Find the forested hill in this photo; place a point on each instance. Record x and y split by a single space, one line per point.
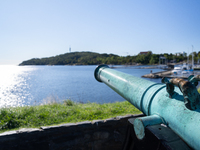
75 58
91 58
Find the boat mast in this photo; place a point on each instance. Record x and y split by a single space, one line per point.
192 58
188 66
188 58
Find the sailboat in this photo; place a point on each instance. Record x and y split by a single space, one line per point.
185 68
197 66
182 69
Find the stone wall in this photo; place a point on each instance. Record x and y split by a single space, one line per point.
96 135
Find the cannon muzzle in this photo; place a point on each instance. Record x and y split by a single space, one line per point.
174 102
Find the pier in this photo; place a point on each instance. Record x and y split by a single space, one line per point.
168 74
158 74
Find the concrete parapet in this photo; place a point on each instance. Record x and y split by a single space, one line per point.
96 135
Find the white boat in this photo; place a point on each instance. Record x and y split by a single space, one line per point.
177 70
187 71
184 69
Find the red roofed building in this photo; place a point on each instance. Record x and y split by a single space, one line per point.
145 53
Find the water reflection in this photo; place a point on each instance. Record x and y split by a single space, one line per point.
35 85
12 84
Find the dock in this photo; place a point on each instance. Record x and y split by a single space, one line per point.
168 74
160 74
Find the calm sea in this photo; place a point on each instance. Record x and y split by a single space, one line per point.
35 85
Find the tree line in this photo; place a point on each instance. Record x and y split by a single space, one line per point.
91 58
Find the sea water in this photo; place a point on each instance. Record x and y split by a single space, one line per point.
35 85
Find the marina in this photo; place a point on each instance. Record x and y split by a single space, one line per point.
169 74
175 71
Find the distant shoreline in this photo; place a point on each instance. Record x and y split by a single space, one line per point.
91 58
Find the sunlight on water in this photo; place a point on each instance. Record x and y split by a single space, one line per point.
36 85
12 84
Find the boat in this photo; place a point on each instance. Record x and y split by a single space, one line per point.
185 68
182 69
196 67
177 70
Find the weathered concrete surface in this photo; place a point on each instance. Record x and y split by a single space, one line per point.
157 137
158 74
96 135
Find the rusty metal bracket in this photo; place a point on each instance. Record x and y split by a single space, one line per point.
194 79
190 93
169 87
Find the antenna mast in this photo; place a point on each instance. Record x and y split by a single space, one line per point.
70 49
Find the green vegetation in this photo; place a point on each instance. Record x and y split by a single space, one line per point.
198 89
55 113
76 58
90 58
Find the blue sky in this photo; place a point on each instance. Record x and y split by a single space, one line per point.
44 28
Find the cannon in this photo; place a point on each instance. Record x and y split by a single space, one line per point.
174 103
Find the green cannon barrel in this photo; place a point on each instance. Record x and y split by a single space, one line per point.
175 103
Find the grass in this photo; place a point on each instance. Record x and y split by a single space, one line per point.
198 89
56 113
